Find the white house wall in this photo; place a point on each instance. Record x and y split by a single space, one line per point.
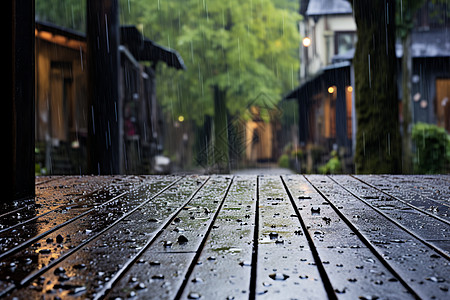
319 53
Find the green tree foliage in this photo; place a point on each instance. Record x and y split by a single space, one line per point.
235 51
66 13
245 48
404 17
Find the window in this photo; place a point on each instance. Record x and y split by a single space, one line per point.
344 41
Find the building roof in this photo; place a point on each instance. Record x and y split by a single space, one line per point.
140 47
328 7
146 50
326 75
59 30
424 44
433 43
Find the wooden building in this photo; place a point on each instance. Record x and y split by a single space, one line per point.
61 100
62 112
325 99
325 113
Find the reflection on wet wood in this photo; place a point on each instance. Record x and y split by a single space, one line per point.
228 237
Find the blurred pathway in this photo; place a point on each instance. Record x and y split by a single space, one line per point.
263 170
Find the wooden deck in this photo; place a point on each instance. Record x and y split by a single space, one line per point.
228 237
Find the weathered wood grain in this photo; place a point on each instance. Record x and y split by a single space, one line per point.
228 237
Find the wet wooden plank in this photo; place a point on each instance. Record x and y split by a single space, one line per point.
435 187
421 269
286 266
222 236
157 274
353 270
58 203
414 194
225 260
45 250
52 194
19 236
429 227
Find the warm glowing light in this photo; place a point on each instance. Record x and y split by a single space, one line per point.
180 119
59 39
45 35
350 89
331 90
306 42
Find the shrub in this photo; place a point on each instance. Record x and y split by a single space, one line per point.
297 154
432 153
283 161
333 166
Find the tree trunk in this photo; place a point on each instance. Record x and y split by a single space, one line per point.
407 166
220 149
378 141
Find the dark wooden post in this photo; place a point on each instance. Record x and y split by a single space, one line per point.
105 110
19 79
